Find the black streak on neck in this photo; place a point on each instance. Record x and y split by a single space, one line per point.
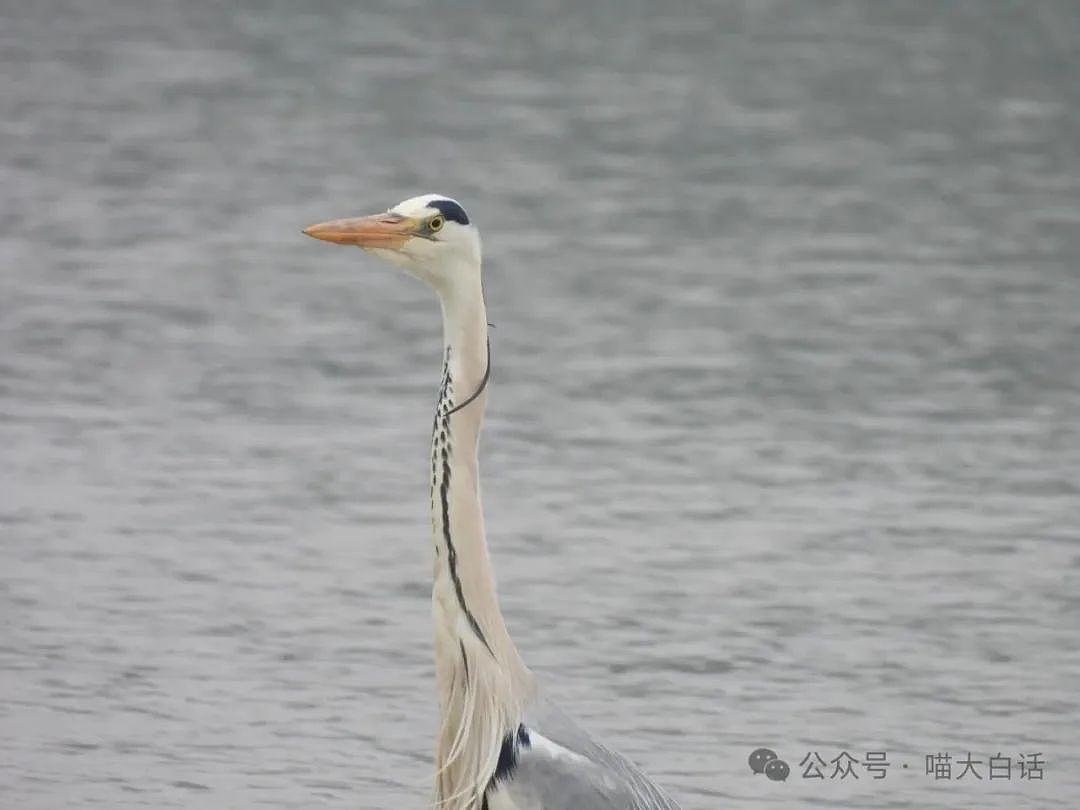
442 421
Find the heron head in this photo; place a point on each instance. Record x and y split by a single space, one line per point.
429 237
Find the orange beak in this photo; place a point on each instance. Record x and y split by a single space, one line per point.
390 231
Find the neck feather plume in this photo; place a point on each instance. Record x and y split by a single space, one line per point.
482 682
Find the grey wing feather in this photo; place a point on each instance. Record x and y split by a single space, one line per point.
596 779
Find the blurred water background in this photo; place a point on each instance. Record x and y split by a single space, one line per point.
783 444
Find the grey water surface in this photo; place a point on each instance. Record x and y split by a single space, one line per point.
783 446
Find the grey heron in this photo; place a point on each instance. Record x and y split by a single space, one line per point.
500 746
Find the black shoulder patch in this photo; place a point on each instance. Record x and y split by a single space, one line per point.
451 210
508 753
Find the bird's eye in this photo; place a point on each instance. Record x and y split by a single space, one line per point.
436 223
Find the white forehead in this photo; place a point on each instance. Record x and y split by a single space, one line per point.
418 206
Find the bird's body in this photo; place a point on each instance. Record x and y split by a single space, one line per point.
561 767
500 747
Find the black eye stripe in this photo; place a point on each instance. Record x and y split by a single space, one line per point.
451 210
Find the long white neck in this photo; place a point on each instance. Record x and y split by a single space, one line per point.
483 683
